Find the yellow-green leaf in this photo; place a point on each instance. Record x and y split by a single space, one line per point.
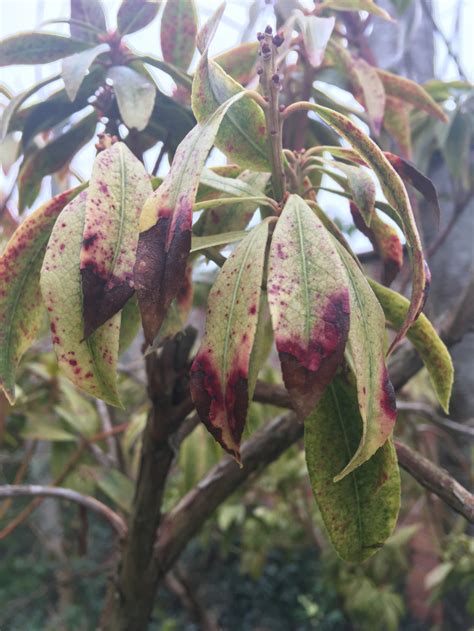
355 5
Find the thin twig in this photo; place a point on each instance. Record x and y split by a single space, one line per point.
426 411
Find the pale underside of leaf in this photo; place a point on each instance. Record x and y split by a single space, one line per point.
135 96
75 68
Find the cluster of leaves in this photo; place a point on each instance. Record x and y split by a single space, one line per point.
100 254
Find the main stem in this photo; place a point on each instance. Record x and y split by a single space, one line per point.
270 84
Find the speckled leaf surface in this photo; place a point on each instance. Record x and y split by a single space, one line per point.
366 354
360 511
397 196
396 122
118 189
220 371
75 68
166 221
308 296
178 32
239 62
90 364
37 48
424 338
21 307
242 136
90 12
362 188
134 15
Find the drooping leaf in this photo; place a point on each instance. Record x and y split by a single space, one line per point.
37 48
397 196
118 188
135 96
360 511
362 188
424 338
90 12
51 158
355 5
308 298
178 32
165 224
316 33
366 355
21 308
242 136
410 174
220 371
90 364
385 241
239 62
75 68
397 122
134 15
410 92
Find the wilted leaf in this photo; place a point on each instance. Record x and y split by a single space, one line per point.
178 32
424 338
135 96
37 48
360 511
90 12
309 303
355 5
316 33
165 224
51 158
239 62
134 15
75 68
21 308
220 371
397 122
366 355
119 186
90 364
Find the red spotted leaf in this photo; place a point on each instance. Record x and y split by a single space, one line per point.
117 191
239 62
134 15
166 221
397 123
308 298
88 12
178 32
220 372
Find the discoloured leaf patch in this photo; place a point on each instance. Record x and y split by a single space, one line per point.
308 298
89 12
134 15
220 371
397 122
178 32
37 48
118 189
21 307
239 62
360 511
90 364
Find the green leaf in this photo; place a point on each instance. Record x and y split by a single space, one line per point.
397 196
134 15
223 238
366 354
355 5
242 136
360 511
129 323
77 410
135 96
90 364
75 68
37 48
21 308
397 123
424 338
239 62
180 77
178 32
118 189
43 430
90 12
316 33
308 298
220 371
51 158
166 222
116 487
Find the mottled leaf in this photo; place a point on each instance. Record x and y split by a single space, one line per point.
308 297
397 196
51 158
397 123
360 511
366 355
242 136
134 15
75 68
118 189
424 338
316 33
410 92
178 32
90 364
362 188
90 12
165 224
37 48
135 96
355 5
220 371
21 308
239 62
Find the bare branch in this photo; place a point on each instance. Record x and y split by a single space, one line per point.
466 429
